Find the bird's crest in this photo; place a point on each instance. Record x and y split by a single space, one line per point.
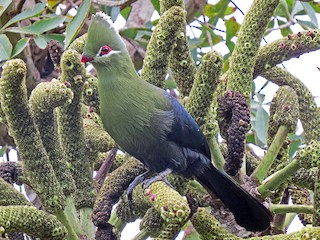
102 32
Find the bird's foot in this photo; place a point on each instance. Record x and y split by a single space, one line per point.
139 179
160 177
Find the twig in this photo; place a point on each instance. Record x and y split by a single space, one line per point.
114 4
104 169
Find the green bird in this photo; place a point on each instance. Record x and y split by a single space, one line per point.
151 125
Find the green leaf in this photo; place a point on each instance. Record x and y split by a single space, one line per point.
36 10
55 36
261 126
295 143
134 32
156 5
4 5
306 24
44 25
5 47
230 10
297 9
284 31
126 12
20 30
232 28
282 9
311 13
77 22
40 41
260 97
315 6
216 10
21 44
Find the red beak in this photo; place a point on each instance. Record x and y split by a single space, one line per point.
85 59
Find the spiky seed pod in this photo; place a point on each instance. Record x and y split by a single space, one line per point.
306 233
244 55
304 178
286 48
169 203
203 88
309 116
119 160
301 196
96 138
90 93
44 98
105 233
152 222
8 172
14 102
211 127
70 126
234 120
10 196
208 226
284 110
181 63
78 44
316 199
16 236
55 50
169 231
309 156
124 213
113 187
163 40
165 5
179 183
31 221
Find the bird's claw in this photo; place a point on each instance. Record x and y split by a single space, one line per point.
160 177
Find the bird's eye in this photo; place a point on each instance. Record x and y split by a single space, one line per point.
105 50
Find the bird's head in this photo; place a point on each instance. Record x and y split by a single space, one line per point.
103 44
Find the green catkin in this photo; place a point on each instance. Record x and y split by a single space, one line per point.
284 110
304 178
43 100
96 138
169 203
301 196
10 196
204 86
90 93
309 116
163 40
152 222
181 63
209 227
31 221
316 199
113 187
286 48
244 55
165 5
14 102
234 119
70 126
78 44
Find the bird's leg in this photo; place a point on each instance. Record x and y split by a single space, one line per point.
160 177
139 179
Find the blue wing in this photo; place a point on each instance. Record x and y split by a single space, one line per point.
186 132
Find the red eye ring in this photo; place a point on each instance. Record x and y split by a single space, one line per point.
105 50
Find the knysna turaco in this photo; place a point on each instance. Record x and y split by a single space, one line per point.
152 126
